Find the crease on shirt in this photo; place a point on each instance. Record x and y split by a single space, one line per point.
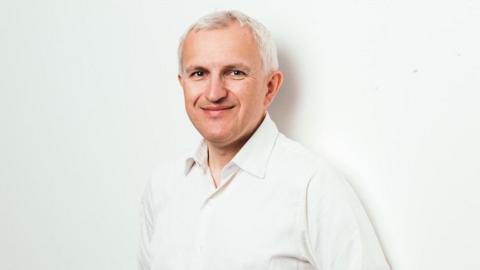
307 238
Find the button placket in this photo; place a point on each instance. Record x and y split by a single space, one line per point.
201 243
205 219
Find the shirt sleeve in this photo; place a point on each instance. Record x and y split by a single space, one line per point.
146 228
339 235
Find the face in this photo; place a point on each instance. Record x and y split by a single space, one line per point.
225 88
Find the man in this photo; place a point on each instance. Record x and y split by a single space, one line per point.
247 197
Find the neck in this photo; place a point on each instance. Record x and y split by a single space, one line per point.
219 155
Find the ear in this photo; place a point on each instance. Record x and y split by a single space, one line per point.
275 80
180 79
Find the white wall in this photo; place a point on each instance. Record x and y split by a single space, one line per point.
89 102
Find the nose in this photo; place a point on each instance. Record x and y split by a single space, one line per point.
216 90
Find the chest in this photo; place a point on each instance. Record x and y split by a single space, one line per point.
245 225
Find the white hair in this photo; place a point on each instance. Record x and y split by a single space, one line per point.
221 19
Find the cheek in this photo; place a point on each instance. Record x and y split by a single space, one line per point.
257 96
192 92
246 91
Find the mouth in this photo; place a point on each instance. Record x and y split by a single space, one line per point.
216 111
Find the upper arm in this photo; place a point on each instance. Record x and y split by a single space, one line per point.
146 227
338 231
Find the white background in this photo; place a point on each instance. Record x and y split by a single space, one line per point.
89 103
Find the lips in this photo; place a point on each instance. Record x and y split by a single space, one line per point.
216 111
216 108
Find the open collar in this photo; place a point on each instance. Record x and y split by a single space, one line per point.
253 157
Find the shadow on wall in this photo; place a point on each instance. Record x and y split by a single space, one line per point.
284 108
284 111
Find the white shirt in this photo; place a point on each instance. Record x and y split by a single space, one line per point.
277 207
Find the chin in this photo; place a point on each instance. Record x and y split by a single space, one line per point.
220 135
215 131
216 137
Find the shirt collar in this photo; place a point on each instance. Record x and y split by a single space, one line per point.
199 156
253 156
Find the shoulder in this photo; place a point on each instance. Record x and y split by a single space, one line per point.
313 182
295 156
294 166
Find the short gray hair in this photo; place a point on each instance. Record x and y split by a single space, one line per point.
221 19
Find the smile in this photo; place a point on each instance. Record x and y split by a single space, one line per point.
216 111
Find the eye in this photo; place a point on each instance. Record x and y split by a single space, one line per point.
197 73
237 74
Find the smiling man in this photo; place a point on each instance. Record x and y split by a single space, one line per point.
247 197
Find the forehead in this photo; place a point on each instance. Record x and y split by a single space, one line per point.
223 46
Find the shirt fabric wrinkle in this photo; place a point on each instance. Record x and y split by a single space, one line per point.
276 208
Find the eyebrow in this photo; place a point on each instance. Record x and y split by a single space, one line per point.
239 66
192 68
242 66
